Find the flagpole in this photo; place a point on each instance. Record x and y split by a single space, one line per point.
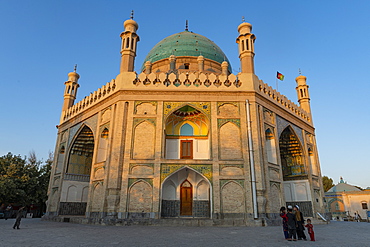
277 89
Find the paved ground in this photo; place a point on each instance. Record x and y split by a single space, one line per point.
35 232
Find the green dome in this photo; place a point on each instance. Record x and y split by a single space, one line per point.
186 44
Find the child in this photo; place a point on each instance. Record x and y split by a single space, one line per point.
285 222
292 224
309 226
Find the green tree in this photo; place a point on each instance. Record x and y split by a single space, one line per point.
24 181
327 183
12 178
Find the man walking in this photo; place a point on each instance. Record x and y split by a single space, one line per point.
18 218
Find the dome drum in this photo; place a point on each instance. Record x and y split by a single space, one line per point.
186 44
189 64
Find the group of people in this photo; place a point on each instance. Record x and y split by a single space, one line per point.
293 224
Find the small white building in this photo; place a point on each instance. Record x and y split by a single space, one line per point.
344 200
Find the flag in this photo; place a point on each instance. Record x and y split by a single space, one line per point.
280 76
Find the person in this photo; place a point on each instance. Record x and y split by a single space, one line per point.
292 224
309 227
357 217
2 210
8 211
285 222
300 223
18 218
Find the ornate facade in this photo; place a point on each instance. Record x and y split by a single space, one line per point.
184 138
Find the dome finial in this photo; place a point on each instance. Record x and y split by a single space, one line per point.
299 71
243 19
132 15
75 69
186 26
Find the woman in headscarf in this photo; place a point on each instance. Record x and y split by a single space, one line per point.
300 223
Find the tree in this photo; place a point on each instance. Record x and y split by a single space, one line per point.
12 179
327 183
24 181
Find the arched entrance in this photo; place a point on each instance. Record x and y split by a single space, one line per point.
77 174
293 162
186 193
186 198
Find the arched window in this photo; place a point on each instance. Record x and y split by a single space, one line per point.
186 130
312 161
104 133
127 42
270 147
80 157
62 149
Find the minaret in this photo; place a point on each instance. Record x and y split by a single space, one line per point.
246 47
70 91
129 42
303 95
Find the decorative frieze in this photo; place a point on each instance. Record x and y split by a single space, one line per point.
222 121
168 169
131 181
169 107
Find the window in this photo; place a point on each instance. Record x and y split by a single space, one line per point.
364 205
186 149
104 133
186 65
186 130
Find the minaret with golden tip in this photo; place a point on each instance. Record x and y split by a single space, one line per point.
70 91
302 92
129 43
246 47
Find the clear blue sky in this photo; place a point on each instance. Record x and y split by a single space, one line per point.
328 40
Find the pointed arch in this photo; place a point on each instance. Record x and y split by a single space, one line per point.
144 140
72 194
202 192
105 133
275 198
187 133
103 145
97 198
186 196
232 198
81 152
184 105
186 130
270 146
230 141
140 197
313 163
169 190
291 155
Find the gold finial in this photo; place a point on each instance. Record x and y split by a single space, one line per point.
75 68
186 26
243 19
132 14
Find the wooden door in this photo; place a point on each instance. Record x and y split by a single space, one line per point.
186 198
186 149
